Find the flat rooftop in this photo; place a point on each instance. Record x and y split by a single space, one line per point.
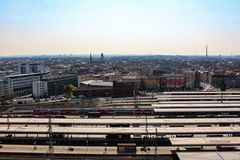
79 150
107 121
206 141
121 130
209 155
58 77
198 98
195 96
199 92
26 75
198 102
98 83
219 105
196 110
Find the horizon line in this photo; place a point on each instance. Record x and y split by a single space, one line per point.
124 54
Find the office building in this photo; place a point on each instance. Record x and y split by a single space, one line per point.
26 68
192 79
204 76
124 88
230 80
3 89
39 89
170 82
56 84
21 84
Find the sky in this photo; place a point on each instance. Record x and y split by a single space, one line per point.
33 27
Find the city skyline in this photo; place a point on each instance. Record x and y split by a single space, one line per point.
131 27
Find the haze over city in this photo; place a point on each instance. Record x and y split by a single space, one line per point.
119 79
29 27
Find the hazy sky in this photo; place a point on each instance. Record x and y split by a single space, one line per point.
119 26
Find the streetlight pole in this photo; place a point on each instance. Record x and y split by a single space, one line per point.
50 136
8 121
223 88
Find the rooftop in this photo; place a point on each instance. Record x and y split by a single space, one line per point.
53 77
106 121
209 155
25 75
120 130
98 83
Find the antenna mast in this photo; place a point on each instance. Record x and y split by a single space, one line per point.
206 50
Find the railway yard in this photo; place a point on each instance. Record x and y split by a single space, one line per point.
167 126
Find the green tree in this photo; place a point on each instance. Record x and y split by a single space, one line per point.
69 89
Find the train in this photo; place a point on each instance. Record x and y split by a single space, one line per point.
173 112
91 111
31 116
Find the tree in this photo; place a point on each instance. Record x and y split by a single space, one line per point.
69 89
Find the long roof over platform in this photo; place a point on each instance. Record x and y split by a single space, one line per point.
209 155
199 98
121 130
199 92
77 150
107 121
198 102
205 141
196 110
220 105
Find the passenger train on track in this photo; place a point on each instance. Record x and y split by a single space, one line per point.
104 112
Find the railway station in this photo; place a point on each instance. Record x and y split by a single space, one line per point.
181 130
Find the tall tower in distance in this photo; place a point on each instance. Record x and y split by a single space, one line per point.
206 50
102 57
90 57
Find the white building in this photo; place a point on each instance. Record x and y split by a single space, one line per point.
26 68
21 84
39 88
97 83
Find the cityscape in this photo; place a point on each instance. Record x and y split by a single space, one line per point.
159 81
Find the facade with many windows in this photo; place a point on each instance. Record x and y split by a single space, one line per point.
170 82
26 68
39 89
56 84
21 84
3 89
124 88
192 79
